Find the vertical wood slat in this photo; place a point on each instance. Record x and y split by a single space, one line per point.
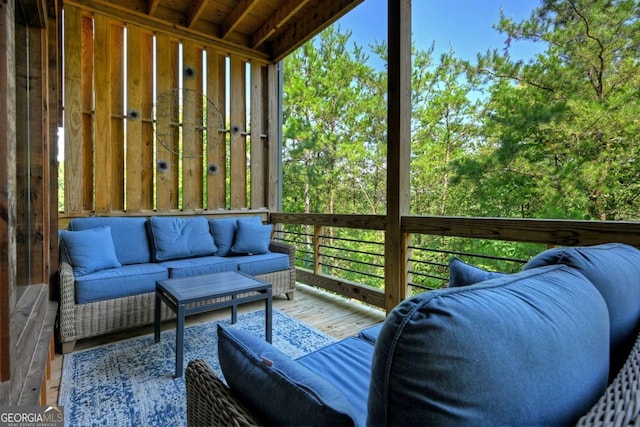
134 150
192 179
238 163
87 113
216 90
55 121
39 171
117 117
102 76
7 188
73 178
274 199
22 149
167 79
145 115
258 165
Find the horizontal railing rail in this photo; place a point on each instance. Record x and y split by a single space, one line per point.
329 260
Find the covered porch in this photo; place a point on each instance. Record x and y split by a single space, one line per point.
96 69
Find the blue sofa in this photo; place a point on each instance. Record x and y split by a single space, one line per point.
109 265
554 344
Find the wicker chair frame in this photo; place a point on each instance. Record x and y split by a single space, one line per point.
210 402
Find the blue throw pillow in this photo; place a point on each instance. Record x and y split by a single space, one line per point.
174 237
252 238
529 348
463 274
614 269
224 232
90 250
276 388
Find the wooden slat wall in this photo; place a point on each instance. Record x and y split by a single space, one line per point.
216 158
111 153
238 138
115 170
167 178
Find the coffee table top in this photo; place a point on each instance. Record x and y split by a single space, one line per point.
196 288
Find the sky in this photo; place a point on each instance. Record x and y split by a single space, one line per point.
466 26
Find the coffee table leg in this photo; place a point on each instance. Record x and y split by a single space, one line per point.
179 340
156 324
234 310
268 316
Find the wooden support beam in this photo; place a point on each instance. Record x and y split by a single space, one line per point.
277 21
398 150
153 7
195 10
296 35
241 10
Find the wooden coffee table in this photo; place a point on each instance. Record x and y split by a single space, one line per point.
182 294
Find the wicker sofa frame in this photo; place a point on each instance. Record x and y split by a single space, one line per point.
210 402
78 321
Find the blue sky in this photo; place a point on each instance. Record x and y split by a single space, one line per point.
464 25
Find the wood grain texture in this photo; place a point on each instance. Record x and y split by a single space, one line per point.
238 140
102 76
73 179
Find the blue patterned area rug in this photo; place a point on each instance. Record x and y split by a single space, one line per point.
131 383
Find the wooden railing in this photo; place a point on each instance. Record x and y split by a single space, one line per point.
325 261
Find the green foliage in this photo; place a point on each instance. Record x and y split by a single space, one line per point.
557 136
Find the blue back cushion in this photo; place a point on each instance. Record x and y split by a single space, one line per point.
129 236
613 268
276 388
524 349
463 274
174 237
252 237
90 250
224 232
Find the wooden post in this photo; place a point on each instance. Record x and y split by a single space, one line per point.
317 251
398 150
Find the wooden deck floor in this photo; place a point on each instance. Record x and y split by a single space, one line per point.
331 314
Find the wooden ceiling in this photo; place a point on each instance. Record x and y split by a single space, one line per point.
268 29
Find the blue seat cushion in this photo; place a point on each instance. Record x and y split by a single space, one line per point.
132 279
175 237
129 236
614 269
252 238
198 266
529 348
371 333
347 365
463 274
262 264
276 388
90 250
224 232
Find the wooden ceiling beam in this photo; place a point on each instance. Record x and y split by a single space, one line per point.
156 24
241 10
325 14
153 6
277 21
196 9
